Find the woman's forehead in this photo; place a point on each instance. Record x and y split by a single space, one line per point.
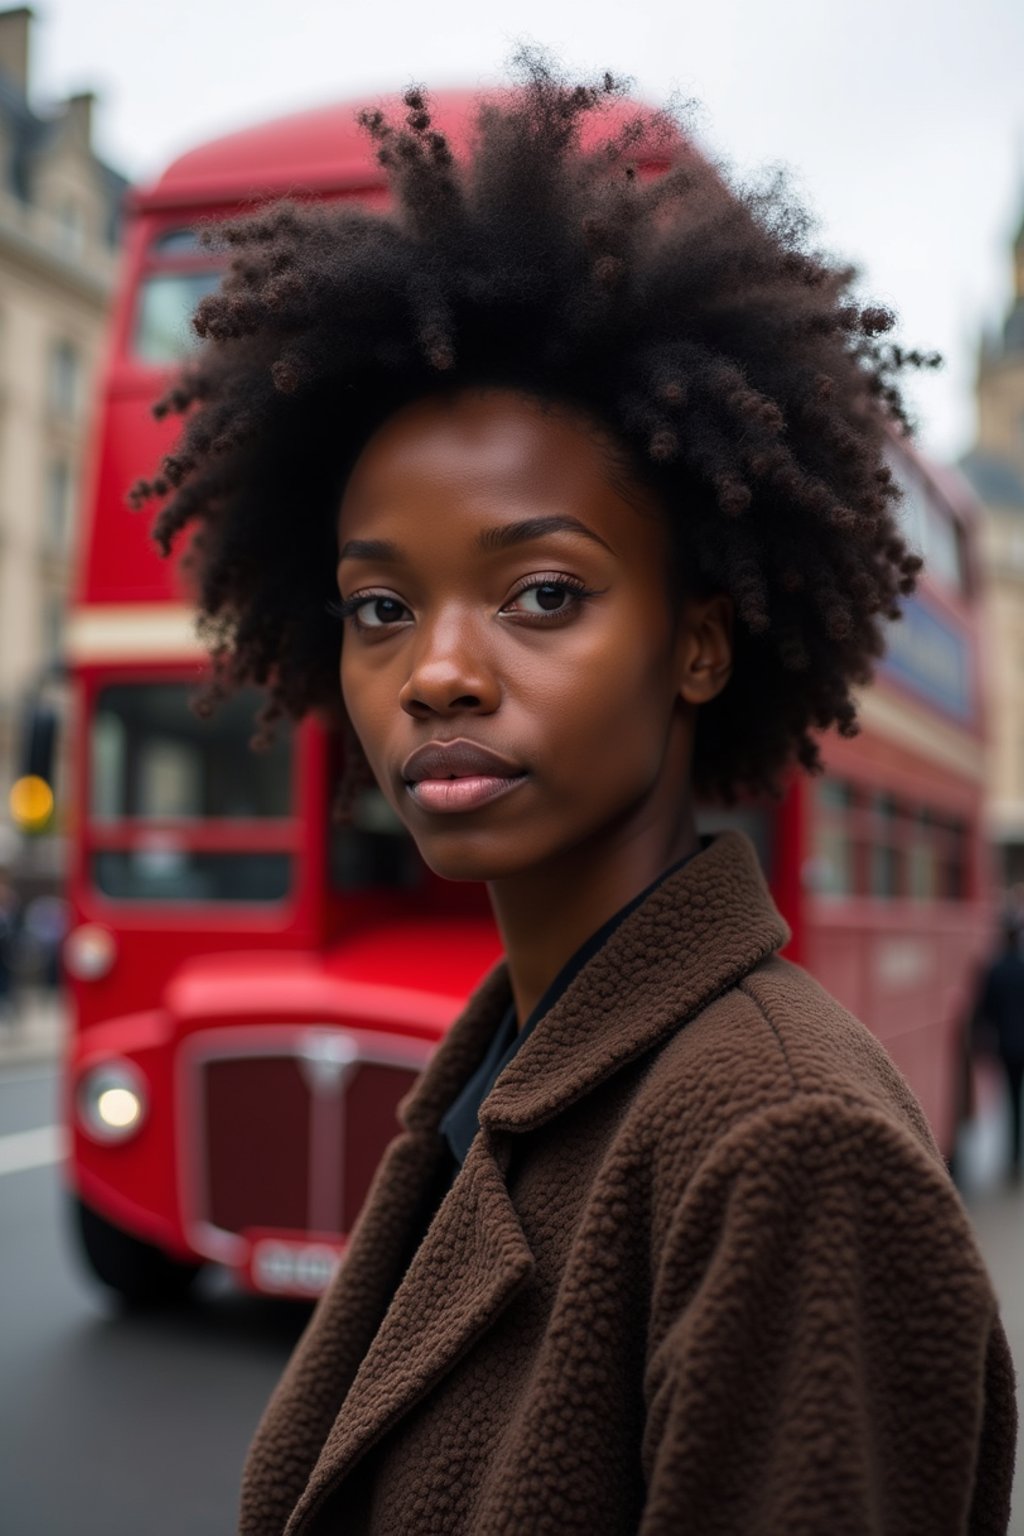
489 447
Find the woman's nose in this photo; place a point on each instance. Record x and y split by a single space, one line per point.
450 673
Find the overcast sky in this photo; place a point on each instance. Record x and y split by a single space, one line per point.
902 120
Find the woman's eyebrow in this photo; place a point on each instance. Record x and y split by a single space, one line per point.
529 528
489 540
369 549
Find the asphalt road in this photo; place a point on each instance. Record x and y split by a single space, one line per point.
115 1425
122 1425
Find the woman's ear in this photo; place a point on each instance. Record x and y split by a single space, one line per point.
705 647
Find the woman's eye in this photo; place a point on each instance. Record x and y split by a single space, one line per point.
548 599
373 612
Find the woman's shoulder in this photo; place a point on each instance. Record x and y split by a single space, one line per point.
773 1047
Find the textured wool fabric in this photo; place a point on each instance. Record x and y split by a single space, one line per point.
703 1271
460 1122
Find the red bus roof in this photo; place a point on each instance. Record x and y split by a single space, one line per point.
320 150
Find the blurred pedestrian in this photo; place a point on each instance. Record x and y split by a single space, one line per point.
1001 1007
9 917
45 923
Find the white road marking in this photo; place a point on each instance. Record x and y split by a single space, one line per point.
17 1077
31 1149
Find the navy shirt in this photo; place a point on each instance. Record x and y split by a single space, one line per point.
461 1121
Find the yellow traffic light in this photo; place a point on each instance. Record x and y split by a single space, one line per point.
31 803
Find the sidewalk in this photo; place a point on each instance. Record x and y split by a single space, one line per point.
35 1033
996 1209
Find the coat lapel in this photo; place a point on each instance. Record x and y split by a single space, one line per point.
703 929
699 933
471 1263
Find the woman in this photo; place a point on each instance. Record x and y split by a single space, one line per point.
590 469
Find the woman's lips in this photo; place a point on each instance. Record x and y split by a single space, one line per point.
458 775
461 794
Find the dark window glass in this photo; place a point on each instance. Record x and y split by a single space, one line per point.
885 871
167 873
885 865
834 794
953 876
65 382
923 858
152 758
757 821
374 849
177 242
833 866
58 501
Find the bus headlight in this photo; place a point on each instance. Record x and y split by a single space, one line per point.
89 951
112 1101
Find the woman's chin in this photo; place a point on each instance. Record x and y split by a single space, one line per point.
467 858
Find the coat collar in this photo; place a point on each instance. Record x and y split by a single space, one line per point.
700 931
703 928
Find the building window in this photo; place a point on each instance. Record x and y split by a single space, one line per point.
58 502
53 625
70 217
65 378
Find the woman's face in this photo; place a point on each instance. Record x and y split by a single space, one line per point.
512 662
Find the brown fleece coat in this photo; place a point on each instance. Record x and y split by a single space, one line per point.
703 1272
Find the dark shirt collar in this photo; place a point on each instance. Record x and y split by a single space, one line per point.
461 1122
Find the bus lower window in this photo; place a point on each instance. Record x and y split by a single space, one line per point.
886 862
181 874
833 866
923 859
374 849
954 861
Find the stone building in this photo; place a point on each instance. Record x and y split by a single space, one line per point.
995 468
59 211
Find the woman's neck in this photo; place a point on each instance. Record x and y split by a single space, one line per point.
546 914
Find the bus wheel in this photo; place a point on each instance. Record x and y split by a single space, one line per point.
142 1275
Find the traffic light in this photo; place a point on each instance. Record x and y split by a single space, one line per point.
31 797
30 803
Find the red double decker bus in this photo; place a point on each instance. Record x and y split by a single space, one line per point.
253 987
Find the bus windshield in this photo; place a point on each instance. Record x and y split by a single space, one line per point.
155 764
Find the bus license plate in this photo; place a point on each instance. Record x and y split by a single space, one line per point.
284 1264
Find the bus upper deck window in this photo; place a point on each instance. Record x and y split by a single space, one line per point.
178 273
177 242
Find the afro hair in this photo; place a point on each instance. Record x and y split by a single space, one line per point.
603 263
